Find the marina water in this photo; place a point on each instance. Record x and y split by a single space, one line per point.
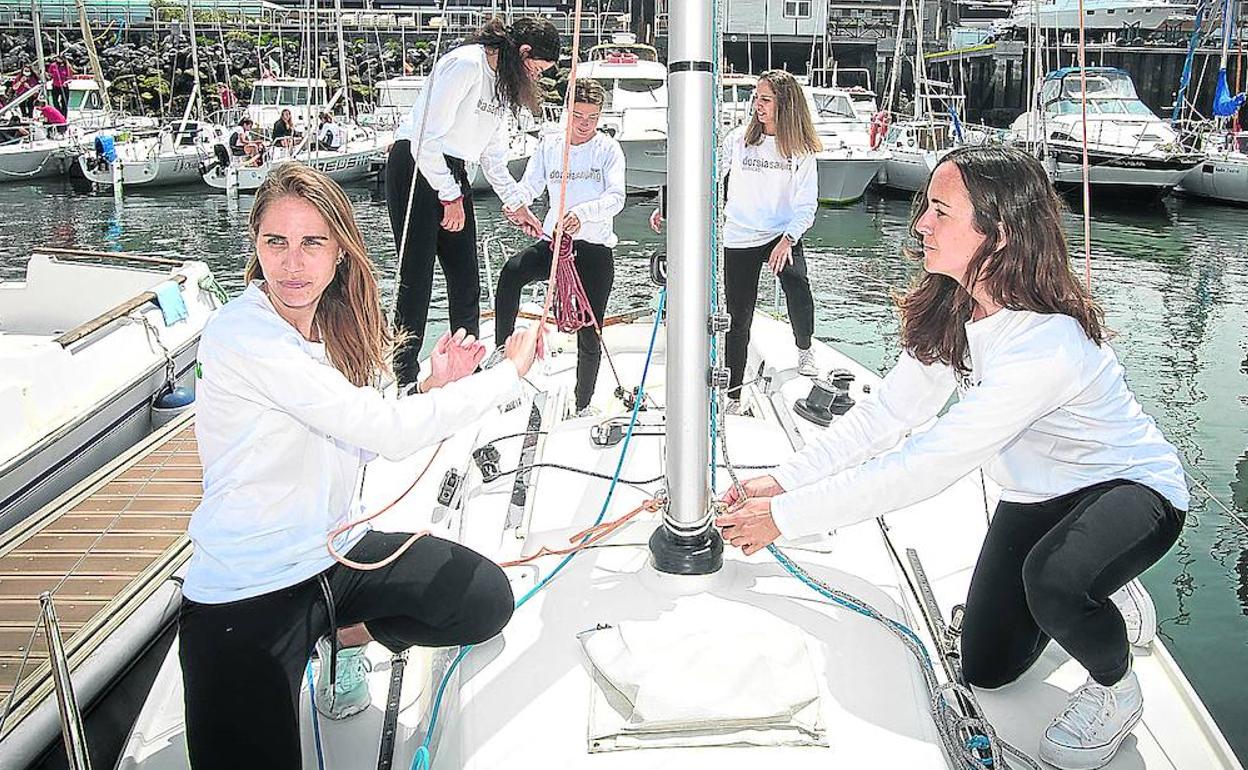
1173 279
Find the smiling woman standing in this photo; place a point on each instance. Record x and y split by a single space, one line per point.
287 414
1092 493
460 117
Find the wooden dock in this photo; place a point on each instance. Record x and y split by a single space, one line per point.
101 549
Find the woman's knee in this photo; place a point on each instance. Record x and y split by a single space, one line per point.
1053 594
489 603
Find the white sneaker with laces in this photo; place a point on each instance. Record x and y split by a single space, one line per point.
349 695
1138 612
1095 722
806 363
496 355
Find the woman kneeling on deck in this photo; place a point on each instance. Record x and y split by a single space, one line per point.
595 196
1092 493
287 416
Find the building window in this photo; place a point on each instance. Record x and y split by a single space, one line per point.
797 9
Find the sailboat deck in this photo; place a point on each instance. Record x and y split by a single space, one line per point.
100 550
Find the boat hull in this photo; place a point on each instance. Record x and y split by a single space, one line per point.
907 171
1141 174
37 160
164 170
1223 178
88 442
844 180
343 168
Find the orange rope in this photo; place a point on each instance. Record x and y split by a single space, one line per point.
365 566
568 101
587 537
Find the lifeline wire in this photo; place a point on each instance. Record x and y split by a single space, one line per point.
423 760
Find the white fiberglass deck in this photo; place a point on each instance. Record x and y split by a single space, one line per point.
524 699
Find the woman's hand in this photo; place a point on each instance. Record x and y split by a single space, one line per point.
454 357
525 346
453 215
656 221
571 224
523 218
760 487
749 526
781 255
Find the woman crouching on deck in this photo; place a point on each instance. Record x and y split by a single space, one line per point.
1092 493
287 416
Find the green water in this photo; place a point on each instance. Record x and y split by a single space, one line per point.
1173 280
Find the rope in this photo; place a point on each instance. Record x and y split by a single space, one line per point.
571 306
423 759
1209 495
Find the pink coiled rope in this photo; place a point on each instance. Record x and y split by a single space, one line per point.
570 306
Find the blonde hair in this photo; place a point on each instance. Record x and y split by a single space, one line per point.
357 338
795 131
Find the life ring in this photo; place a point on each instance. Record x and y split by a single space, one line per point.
879 127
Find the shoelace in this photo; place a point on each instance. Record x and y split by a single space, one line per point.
1085 712
351 672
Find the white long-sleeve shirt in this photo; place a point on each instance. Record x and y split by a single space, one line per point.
1045 411
283 435
595 184
769 195
467 121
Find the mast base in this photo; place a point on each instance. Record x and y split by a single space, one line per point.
696 554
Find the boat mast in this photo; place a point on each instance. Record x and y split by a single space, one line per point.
190 27
686 543
39 57
92 56
342 61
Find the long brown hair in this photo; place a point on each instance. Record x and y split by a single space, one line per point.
1012 197
357 338
795 131
513 87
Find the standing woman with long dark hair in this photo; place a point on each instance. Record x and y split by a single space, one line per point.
1092 493
460 117
770 201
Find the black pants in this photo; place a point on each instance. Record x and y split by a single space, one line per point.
741 270
243 662
457 252
597 270
1046 571
60 99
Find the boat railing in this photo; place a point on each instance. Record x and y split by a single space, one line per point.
67 705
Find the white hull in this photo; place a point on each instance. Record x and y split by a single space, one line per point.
1097 16
68 408
528 699
645 164
39 159
907 170
344 167
154 161
844 178
1223 177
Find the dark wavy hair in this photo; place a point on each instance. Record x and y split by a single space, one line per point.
1012 197
513 87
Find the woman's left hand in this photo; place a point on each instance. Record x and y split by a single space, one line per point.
781 256
571 224
749 526
454 356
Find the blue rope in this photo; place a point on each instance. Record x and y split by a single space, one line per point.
316 719
423 760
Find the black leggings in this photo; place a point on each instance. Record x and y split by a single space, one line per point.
1046 571
243 662
741 269
60 99
457 252
597 271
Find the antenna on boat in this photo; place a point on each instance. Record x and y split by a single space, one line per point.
686 543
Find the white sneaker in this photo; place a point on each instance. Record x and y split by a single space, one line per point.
806 363
589 411
733 406
1138 612
349 695
1095 722
496 355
